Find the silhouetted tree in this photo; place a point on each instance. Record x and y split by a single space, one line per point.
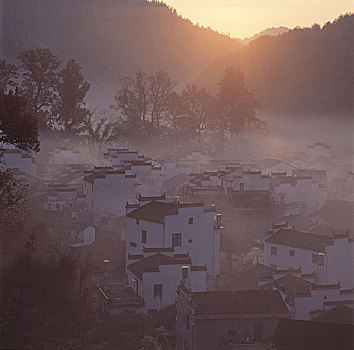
69 108
39 82
236 104
8 75
197 104
160 87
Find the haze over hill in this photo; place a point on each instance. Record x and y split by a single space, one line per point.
301 71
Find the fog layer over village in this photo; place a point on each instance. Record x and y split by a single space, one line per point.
184 209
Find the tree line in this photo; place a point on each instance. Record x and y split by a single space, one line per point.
145 106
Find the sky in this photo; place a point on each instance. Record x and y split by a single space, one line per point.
244 18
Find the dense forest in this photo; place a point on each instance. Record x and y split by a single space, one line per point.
303 70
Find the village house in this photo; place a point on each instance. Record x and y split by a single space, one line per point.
107 191
295 195
331 258
269 165
161 238
251 190
227 319
319 149
13 158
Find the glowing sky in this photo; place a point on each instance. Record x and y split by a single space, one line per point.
243 18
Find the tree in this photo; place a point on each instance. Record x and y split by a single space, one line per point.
160 87
39 82
175 116
197 106
72 89
45 299
8 75
236 103
17 127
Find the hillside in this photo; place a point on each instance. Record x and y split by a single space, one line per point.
306 70
112 38
269 31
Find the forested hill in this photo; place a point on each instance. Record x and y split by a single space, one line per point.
112 38
304 71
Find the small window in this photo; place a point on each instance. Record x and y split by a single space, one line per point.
187 322
314 258
291 252
143 236
158 291
137 221
176 239
273 250
274 267
57 206
190 221
242 186
190 241
132 244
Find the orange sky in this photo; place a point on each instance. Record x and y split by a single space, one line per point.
243 18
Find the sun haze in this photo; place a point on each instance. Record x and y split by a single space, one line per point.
244 18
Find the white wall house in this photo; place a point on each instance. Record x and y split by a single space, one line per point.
117 156
172 168
251 181
107 192
159 231
156 278
17 159
319 149
149 176
64 156
298 195
269 165
332 258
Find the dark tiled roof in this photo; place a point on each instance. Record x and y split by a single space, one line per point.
290 284
303 240
308 335
339 314
248 279
152 263
154 211
239 302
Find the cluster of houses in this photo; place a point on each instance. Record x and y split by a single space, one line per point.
167 215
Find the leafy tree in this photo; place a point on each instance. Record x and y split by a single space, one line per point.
8 75
17 127
72 89
236 104
39 82
45 299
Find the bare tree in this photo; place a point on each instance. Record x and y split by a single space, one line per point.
160 87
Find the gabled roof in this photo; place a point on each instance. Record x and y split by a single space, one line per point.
154 211
290 284
152 263
303 240
267 163
248 279
245 302
177 180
